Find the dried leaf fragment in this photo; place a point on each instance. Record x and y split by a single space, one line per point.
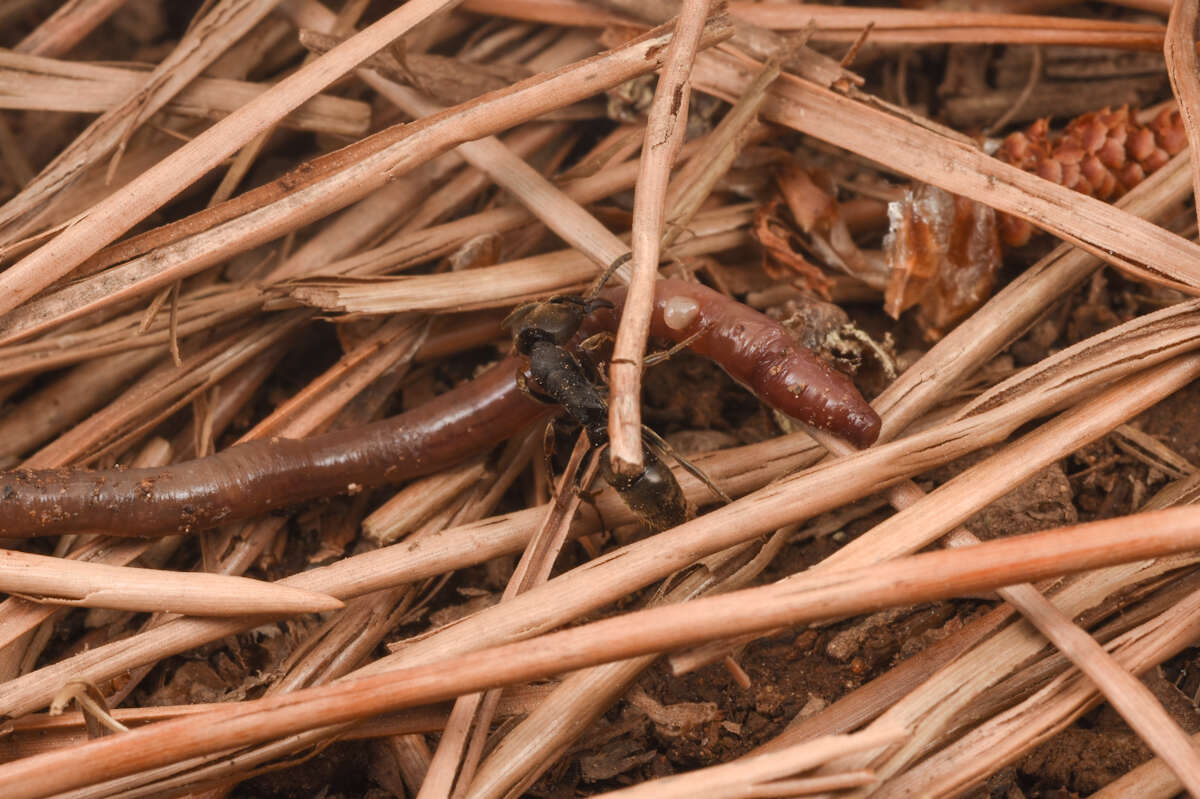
944 253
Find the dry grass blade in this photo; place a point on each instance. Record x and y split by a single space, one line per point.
52 85
64 29
1132 245
831 594
225 23
1131 698
890 25
351 175
694 183
665 126
894 25
96 585
1180 51
754 776
506 284
116 214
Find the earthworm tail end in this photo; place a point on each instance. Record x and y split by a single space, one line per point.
252 478
758 352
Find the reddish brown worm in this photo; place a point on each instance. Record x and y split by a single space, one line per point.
756 351
250 479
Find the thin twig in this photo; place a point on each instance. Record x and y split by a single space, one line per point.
665 128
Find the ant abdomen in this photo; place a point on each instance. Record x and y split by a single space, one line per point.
654 495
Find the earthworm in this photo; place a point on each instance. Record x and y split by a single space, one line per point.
757 352
252 478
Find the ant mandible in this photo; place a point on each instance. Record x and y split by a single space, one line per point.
541 331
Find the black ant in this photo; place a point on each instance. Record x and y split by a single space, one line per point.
541 331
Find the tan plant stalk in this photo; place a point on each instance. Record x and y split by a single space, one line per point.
67 26
665 127
113 216
506 284
1179 48
903 581
743 776
1132 245
890 25
97 585
897 25
1128 696
53 85
380 158
226 22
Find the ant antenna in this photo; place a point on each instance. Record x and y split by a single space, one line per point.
607 274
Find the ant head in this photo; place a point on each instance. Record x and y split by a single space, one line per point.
555 320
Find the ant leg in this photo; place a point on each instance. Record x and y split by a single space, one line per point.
664 355
607 274
654 439
596 341
588 495
548 449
